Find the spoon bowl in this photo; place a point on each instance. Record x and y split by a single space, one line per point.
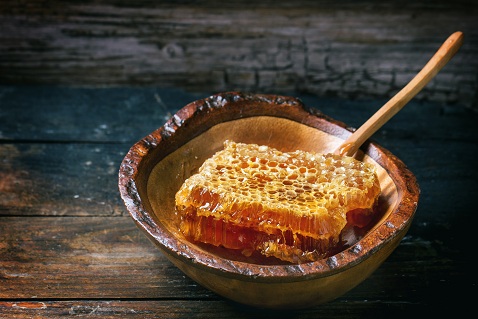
157 165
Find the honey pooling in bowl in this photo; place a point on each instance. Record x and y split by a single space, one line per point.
288 205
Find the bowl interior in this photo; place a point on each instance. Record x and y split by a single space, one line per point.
284 134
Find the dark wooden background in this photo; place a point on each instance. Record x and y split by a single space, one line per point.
350 49
81 81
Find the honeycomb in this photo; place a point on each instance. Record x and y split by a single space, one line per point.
289 205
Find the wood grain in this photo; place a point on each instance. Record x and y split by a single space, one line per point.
82 263
146 309
348 49
68 247
78 258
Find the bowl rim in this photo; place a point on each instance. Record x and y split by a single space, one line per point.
193 114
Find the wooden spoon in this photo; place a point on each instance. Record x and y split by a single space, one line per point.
448 49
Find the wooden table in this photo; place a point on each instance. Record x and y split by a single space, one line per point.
69 248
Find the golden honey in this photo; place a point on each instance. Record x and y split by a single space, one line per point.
289 205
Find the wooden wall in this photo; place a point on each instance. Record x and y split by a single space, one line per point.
350 49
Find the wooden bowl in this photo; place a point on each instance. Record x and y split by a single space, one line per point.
157 165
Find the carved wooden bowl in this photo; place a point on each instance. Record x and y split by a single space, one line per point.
157 165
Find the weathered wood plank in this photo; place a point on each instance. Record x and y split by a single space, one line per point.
106 260
60 179
79 115
146 309
88 257
126 114
346 49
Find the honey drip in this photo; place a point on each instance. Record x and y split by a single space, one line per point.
292 206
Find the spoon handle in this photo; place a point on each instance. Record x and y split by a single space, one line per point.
448 49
